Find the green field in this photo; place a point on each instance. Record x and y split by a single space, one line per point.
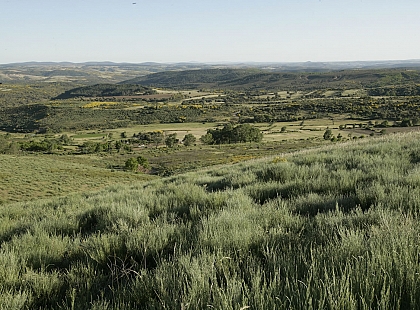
24 178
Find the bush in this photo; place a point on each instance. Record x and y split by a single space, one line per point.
131 164
207 138
189 139
328 134
135 164
171 140
143 162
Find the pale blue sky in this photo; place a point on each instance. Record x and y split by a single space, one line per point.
208 30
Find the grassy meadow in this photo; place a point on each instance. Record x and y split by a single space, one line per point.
334 227
30 177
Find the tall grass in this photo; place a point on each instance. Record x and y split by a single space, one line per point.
332 228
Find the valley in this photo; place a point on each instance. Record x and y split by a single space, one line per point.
193 186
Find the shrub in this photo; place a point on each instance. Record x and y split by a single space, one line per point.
189 139
134 164
328 134
131 164
171 140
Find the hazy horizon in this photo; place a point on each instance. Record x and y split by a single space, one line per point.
390 61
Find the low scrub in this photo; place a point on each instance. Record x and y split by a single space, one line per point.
329 228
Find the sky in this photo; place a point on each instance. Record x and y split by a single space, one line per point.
136 31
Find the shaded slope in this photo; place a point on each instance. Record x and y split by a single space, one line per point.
106 90
245 79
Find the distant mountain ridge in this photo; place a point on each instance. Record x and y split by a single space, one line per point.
89 73
286 66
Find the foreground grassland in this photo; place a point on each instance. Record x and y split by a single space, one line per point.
329 228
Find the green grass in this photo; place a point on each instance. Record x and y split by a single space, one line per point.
329 228
31 177
89 135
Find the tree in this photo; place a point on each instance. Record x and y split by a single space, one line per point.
328 134
118 145
207 138
406 122
230 134
171 140
142 161
189 139
156 137
65 139
246 133
131 164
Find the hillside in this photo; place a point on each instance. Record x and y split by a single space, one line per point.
192 78
329 228
252 79
106 90
108 72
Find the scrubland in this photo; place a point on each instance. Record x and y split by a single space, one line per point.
335 227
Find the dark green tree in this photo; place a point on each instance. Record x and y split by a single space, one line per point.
142 161
207 138
231 134
171 140
118 145
328 134
156 137
131 164
189 139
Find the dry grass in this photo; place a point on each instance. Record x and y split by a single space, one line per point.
25 178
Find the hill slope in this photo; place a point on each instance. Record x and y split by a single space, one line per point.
246 79
333 228
105 90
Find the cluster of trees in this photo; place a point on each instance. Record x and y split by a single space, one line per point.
158 137
232 134
151 137
8 146
366 107
404 90
408 122
137 163
90 147
106 90
46 145
328 135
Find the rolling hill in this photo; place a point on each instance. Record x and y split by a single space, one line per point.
106 90
329 228
254 79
